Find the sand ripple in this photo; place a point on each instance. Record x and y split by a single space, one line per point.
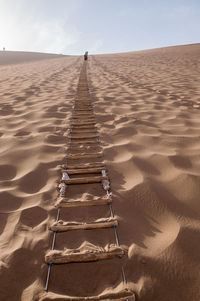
154 164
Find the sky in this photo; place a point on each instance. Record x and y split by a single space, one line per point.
98 26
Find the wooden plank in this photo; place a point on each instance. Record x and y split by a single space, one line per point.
84 123
120 295
84 148
84 127
82 166
83 109
84 136
66 203
89 117
61 226
83 171
84 156
79 120
85 253
85 180
84 105
80 131
83 114
84 142
85 132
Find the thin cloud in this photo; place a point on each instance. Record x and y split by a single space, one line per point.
24 32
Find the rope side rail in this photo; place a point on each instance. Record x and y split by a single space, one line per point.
84 167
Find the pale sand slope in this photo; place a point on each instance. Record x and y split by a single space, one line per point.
148 114
18 57
36 101
148 108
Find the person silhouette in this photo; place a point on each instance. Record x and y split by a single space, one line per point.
86 56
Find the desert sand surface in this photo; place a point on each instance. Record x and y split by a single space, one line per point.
18 57
147 107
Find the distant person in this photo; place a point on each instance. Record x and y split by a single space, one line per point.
86 56
4 48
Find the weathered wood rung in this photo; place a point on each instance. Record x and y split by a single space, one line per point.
84 203
84 147
83 131
120 295
80 105
83 115
84 127
83 118
86 180
83 166
88 115
83 108
61 226
84 136
83 171
84 123
84 156
83 142
90 132
86 253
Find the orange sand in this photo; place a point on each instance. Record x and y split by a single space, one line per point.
147 107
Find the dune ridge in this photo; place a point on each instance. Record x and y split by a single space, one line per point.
147 106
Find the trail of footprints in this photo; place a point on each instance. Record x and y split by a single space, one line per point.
84 166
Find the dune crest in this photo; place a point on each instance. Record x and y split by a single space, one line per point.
147 106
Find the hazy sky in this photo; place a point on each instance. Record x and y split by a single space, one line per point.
99 26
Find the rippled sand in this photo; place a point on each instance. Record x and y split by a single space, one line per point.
147 107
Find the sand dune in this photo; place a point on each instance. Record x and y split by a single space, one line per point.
147 107
18 57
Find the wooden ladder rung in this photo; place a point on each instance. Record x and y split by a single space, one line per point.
61 226
121 295
79 119
86 180
83 142
83 147
83 171
83 109
83 115
85 127
85 203
86 253
83 166
84 131
84 123
82 106
84 156
84 137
